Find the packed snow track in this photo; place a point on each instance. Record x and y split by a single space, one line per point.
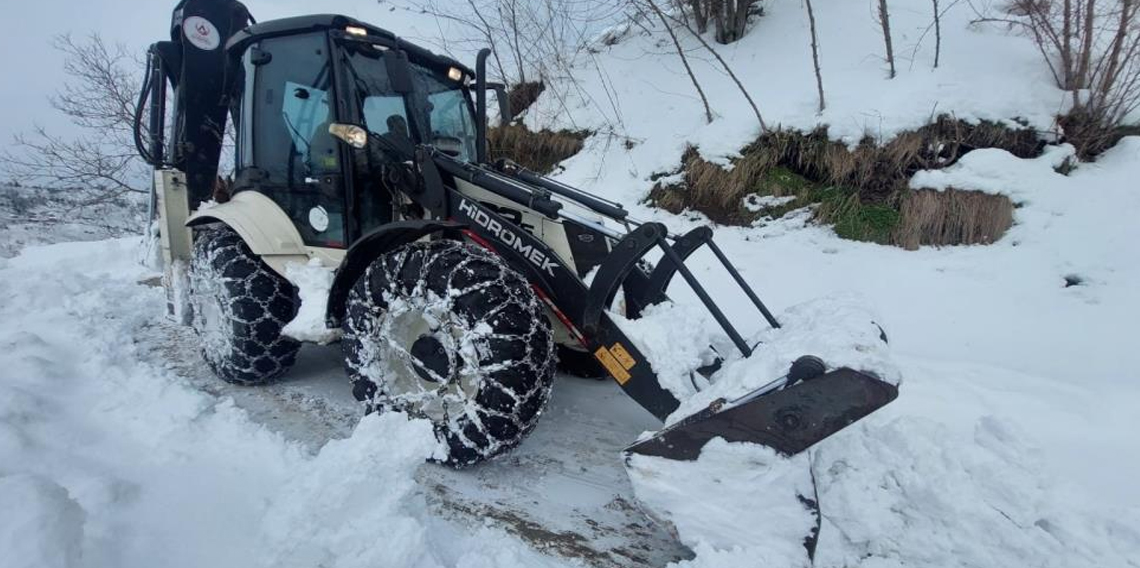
563 491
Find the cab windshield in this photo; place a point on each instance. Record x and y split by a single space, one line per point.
448 110
446 119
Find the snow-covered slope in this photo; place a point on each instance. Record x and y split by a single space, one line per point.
638 87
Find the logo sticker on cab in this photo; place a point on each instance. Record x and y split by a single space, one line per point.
201 33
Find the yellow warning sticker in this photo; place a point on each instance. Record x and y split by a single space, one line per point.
611 364
622 356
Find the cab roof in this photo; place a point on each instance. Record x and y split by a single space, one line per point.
317 22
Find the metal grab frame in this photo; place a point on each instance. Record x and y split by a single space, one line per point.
632 248
623 262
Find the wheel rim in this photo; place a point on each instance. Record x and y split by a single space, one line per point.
211 320
426 358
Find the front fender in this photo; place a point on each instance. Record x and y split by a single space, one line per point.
261 223
370 247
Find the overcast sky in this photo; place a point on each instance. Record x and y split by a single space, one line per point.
30 69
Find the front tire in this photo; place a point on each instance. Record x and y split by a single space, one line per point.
239 307
446 331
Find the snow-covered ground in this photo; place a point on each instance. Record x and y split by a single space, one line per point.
107 458
1012 443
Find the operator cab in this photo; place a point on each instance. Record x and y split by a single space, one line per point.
298 76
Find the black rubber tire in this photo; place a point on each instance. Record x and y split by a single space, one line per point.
476 306
239 306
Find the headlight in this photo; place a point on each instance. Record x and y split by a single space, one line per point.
356 31
354 135
455 74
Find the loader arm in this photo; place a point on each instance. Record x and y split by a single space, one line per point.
568 298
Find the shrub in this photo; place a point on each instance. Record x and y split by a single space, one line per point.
538 151
862 191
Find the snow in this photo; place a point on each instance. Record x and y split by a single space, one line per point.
912 491
42 526
676 338
736 506
757 203
1012 443
363 481
985 73
995 171
108 458
313 282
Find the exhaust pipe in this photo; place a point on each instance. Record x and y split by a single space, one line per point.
481 105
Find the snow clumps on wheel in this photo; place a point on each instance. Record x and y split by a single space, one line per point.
239 307
445 330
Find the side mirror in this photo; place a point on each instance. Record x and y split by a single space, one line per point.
258 56
504 103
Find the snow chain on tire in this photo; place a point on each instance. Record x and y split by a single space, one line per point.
240 306
447 331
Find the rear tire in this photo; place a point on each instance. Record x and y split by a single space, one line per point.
239 307
446 331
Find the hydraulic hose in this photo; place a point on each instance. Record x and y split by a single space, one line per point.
140 147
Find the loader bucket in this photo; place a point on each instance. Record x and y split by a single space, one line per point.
789 420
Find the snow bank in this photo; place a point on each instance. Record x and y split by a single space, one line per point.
313 282
108 460
912 492
41 526
902 491
736 506
995 171
364 481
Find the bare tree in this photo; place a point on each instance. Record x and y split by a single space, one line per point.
536 44
98 97
1092 49
729 17
684 60
815 55
724 65
937 34
885 22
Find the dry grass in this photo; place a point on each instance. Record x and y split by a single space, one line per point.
952 217
523 95
717 192
538 151
863 190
